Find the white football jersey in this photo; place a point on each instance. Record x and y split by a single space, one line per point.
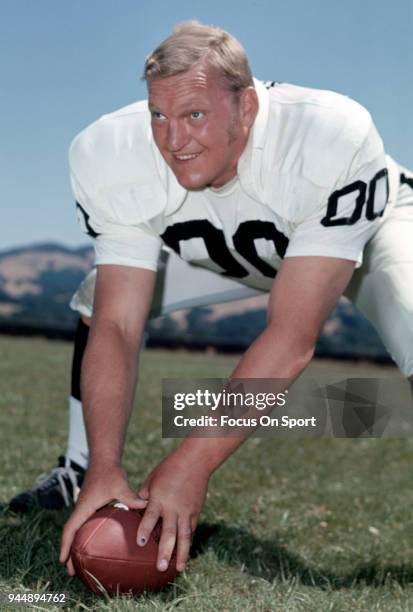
313 181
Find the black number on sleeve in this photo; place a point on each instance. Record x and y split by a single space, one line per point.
214 240
333 202
84 218
370 213
359 187
406 180
244 237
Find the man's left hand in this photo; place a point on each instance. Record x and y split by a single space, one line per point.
176 491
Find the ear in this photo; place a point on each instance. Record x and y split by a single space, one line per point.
249 106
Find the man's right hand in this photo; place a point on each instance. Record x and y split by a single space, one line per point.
101 486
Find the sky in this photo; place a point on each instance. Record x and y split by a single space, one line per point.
63 63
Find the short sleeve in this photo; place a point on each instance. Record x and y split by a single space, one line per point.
115 243
353 210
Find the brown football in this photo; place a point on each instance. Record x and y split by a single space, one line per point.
104 552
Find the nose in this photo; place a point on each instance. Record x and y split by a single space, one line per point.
177 135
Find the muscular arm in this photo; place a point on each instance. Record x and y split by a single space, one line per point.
122 301
304 292
109 371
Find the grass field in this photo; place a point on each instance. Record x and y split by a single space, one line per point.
314 525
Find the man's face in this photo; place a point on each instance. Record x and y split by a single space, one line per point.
198 127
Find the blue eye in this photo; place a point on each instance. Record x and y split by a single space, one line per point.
158 116
197 115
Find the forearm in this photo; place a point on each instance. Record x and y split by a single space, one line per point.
271 356
109 373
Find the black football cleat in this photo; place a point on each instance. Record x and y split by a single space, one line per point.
55 490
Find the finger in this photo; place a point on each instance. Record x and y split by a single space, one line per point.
70 567
167 542
183 544
194 521
143 492
148 522
79 516
132 501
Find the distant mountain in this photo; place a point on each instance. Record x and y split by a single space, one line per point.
346 334
37 282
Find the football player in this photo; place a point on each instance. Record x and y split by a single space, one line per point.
278 187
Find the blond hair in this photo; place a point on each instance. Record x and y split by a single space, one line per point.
192 42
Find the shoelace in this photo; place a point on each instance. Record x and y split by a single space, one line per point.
60 473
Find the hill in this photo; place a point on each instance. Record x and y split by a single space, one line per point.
37 282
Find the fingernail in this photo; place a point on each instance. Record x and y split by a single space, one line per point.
163 565
142 541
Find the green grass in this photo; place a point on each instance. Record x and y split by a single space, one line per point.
314 525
